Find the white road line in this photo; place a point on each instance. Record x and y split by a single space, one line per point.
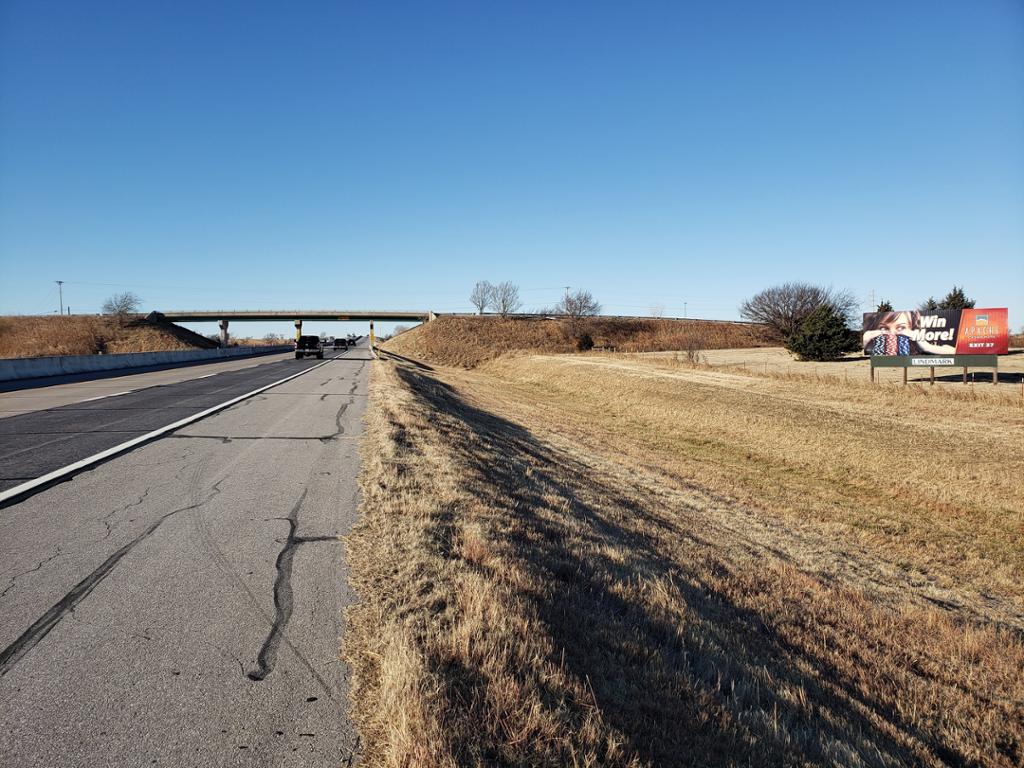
204 377
18 490
100 397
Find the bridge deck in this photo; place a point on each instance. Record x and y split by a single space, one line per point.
233 315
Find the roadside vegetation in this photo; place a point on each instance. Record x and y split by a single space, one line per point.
634 560
469 341
39 336
821 324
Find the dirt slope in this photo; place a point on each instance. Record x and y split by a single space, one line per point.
39 336
469 341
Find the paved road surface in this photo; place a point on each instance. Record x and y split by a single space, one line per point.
27 395
181 604
35 443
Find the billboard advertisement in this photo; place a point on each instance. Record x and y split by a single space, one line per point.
937 332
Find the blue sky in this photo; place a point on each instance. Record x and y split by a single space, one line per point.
375 155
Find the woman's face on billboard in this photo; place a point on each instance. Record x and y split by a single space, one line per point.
899 324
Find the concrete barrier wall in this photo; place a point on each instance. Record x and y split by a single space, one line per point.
33 367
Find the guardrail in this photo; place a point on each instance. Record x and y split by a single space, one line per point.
36 367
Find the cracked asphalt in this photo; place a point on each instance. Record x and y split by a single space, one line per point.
181 604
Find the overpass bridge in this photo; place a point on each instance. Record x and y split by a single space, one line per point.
223 317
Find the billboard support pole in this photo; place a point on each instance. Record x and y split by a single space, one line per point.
965 374
932 382
904 376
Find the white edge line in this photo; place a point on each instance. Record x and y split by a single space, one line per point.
197 378
121 448
101 397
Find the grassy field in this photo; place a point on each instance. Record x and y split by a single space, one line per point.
777 362
39 336
623 560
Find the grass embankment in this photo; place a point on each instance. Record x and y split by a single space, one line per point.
591 561
33 336
469 341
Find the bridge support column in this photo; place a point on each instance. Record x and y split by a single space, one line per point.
298 329
372 338
223 332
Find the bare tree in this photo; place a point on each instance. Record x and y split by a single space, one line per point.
579 304
400 329
784 307
482 296
658 310
505 297
122 304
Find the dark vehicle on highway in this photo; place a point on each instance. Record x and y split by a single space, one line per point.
308 346
340 344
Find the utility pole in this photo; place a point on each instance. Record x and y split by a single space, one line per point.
873 305
684 309
60 291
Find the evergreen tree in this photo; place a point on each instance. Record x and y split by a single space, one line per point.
956 299
823 335
929 306
885 306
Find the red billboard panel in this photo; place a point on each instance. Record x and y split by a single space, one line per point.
937 332
983 332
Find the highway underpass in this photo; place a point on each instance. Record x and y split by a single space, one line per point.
223 317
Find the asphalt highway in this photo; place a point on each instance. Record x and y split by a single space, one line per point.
37 442
180 604
27 395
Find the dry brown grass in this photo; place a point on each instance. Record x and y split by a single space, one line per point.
854 370
33 336
469 341
588 561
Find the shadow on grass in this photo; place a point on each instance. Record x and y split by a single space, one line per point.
401 358
715 689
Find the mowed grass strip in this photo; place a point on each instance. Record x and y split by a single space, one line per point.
533 593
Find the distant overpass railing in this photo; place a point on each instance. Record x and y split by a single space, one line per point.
343 315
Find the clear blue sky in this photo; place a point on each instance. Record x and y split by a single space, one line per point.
374 155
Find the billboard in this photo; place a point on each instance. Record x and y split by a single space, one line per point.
937 332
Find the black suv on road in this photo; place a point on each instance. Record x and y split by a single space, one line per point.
307 346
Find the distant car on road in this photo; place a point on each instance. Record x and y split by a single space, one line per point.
309 346
341 344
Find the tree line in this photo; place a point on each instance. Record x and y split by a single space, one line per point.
503 298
